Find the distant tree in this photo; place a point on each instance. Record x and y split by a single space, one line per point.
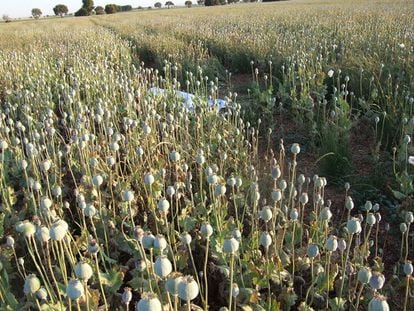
200 2
188 4
168 4
99 10
212 2
7 18
60 10
126 8
88 5
157 5
36 13
82 12
111 8
140 8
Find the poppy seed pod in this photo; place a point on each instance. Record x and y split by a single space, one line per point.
31 284
126 296
377 280
354 226
41 294
408 268
171 285
231 182
200 159
97 180
230 245
83 271
325 214
128 196
148 240
295 149
160 243
74 289
149 179
186 238
409 217
294 214
313 250
364 275
403 227
378 303
90 211
368 206
371 220
27 228
266 213
265 240
163 205
162 266
206 230
342 245
187 288
174 156
43 234
149 302
219 190
58 230
276 195
304 199
349 203
331 243
170 191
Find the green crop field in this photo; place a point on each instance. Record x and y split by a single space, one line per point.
252 156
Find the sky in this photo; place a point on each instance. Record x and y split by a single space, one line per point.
23 8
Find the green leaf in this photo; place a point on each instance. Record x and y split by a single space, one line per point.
398 195
113 280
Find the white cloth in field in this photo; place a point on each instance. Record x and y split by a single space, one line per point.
188 98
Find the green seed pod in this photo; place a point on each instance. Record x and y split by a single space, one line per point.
58 230
163 205
206 230
325 214
230 245
294 214
371 220
97 180
43 234
349 203
265 240
83 271
174 156
276 195
331 243
128 196
41 294
148 240
31 284
354 226
295 149
74 289
160 243
364 275
408 268
162 266
187 288
378 303
266 213
171 285
377 280
313 250
149 302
